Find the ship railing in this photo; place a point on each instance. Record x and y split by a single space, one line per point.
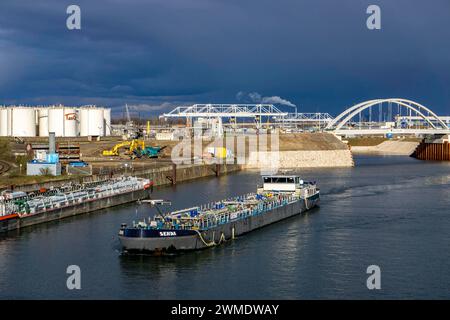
243 210
65 195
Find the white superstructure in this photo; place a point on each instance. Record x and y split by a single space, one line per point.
281 183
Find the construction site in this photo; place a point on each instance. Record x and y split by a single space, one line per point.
133 147
60 143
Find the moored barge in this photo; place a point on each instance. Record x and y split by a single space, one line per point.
280 197
20 209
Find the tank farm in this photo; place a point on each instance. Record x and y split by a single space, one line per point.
64 121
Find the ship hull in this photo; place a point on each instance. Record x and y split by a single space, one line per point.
15 222
161 241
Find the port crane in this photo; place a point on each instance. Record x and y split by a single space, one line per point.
132 131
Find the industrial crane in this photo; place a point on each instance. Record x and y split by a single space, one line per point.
132 130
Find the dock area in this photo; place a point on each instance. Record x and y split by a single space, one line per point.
437 149
296 150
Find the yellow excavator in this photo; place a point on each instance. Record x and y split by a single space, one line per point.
130 145
135 149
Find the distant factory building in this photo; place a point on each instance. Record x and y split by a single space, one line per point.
402 121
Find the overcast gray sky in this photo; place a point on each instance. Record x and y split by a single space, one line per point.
317 54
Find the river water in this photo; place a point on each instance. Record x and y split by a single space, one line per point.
393 212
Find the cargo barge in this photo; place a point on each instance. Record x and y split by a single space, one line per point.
20 209
280 197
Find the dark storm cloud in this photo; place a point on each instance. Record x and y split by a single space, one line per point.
317 54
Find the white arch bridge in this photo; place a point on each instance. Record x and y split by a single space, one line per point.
383 116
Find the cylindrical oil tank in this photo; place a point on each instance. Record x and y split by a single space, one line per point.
92 121
43 122
71 122
23 122
4 123
107 118
9 120
36 116
56 121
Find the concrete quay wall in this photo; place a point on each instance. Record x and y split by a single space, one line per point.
173 174
301 159
164 175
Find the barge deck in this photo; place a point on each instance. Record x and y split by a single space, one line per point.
195 228
19 209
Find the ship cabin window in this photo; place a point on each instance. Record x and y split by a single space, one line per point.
280 179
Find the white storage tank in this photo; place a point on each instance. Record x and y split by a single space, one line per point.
56 121
23 122
43 121
4 121
71 122
92 121
61 120
36 117
107 118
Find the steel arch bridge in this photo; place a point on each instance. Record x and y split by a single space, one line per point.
435 123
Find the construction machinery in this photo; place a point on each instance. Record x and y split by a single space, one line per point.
148 152
130 145
135 149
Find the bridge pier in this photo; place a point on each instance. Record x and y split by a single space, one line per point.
433 148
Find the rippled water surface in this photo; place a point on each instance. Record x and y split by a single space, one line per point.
390 211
